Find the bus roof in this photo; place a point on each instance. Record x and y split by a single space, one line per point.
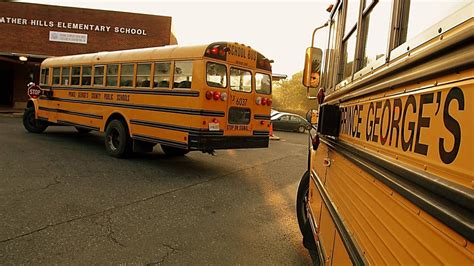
135 55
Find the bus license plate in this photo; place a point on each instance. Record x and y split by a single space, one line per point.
213 126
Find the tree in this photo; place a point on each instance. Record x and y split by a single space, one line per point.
290 96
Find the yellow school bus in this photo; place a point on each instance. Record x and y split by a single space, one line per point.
391 159
185 98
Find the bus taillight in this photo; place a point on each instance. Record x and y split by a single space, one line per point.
263 101
217 95
209 95
217 51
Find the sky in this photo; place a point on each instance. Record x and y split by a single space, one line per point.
280 30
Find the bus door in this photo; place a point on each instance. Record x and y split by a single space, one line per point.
240 90
239 111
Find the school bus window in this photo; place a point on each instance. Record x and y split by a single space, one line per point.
162 75
349 41
143 75
332 51
438 10
65 75
240 80
75 75
126 75
99 75
183 74
112 75
263 83
348 56
86 75
56 75
352 15
44 76
216 75
377 25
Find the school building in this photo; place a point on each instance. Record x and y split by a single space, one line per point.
31 32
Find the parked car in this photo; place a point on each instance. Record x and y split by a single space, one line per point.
289 122
274 112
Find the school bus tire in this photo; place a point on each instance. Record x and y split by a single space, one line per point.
301 212
32 124
83 130
117 139
172 151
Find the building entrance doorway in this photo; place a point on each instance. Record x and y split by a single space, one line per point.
6 87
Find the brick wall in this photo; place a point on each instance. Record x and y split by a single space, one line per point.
25 29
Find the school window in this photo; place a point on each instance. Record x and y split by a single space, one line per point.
240 80
99 75
126 75
162 75
216 75
65 76
377 28
75 75
143 75
112 75
44 76
263 83
86 75
56 75
183 74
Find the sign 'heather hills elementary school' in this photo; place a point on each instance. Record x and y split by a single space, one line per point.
32 32
53 30
71 25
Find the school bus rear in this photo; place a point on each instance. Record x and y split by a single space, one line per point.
216 96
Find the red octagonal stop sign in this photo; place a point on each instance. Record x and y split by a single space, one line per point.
34 91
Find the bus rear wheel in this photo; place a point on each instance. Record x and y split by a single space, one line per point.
172 151
117 139
302 213
32 124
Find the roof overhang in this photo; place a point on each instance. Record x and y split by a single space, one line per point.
278 77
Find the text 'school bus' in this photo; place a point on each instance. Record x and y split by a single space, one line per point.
391 158
185 98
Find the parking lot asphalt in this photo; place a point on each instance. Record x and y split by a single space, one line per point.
64 200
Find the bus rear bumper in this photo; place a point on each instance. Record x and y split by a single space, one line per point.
206 143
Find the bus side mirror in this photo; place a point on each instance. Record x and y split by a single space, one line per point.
312 67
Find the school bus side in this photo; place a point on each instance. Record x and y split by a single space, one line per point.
390 178
163 106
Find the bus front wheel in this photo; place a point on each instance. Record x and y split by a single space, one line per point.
32 124
117 139
172 151
302 213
